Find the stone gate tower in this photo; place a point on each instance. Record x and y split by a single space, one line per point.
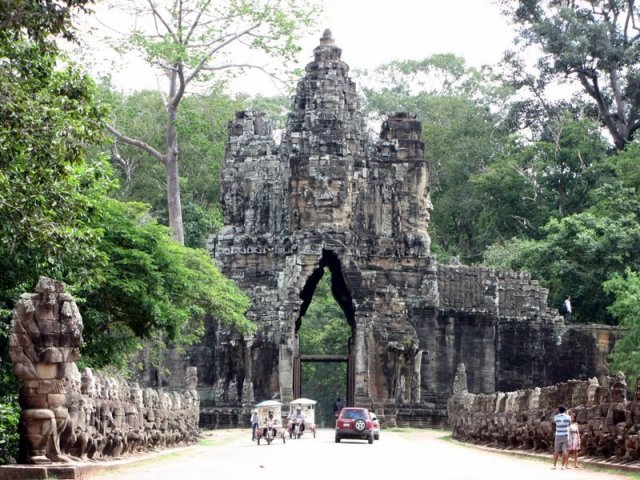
330 197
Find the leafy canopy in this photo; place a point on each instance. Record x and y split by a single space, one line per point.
48 188
595 43
56 218
202 128
530 183
578 253
625 288
194 41
151 285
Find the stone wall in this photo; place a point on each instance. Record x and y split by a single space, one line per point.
70 415
608 420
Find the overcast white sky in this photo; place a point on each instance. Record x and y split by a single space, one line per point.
373 32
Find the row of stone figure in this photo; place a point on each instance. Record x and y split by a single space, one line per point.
608 422
601 436
103 416
108 416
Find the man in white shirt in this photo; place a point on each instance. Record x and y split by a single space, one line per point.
567 309
298 415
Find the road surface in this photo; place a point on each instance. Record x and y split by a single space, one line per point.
412 454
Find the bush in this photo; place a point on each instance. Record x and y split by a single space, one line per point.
9 417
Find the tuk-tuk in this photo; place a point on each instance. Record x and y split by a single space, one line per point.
308 409
269 427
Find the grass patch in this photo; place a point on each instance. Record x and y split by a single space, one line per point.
212 442
144 462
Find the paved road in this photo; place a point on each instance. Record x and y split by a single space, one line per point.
407 455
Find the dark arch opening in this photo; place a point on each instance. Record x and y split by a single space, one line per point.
329 367
338 288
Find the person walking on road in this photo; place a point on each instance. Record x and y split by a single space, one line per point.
338 405
561 444
254 424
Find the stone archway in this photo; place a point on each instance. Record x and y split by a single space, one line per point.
329 264
329 193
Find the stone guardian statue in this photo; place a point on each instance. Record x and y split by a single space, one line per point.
46 336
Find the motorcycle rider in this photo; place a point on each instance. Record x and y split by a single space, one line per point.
270 420
293 418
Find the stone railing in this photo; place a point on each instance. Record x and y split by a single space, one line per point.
70 415
608 421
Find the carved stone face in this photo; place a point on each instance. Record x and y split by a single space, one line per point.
88 383
135 395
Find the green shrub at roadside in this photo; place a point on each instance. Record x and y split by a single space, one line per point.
9 417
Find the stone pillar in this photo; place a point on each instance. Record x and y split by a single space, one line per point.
285 369
361 387
247 385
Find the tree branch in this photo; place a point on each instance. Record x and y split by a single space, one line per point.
156 15
524 221
613 75
196 22
212 42
136 143
180 13
211 52
633 128
182 85
627 21
8 205
242 65
594 91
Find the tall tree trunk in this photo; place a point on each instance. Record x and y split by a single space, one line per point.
173 198
171 166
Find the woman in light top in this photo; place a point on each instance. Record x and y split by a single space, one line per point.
574 440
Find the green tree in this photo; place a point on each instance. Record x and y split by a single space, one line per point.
202 126
578 253
532 182
625 356
592 42
57 220
9 438
150 287
324 329
189 42
39 19
48 189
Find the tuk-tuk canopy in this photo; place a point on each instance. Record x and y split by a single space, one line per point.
303 401
268 403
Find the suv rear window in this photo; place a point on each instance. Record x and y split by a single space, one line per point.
353 413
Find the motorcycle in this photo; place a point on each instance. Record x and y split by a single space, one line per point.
270 433
306 407
296 429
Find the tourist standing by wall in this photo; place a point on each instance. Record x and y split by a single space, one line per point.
574 440
561 444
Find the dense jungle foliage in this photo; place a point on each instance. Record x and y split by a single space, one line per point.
519 179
